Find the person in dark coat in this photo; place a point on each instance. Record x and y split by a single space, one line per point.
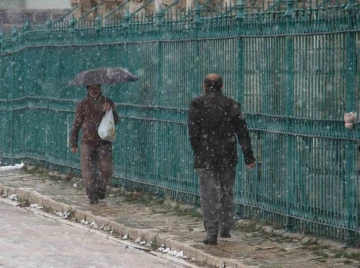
214 122
95 153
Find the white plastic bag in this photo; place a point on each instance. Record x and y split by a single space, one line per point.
106 129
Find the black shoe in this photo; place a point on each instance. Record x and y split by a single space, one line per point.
104 192
94 201
101 195
210 240
225 234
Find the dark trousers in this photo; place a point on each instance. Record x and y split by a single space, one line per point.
217 198
93 159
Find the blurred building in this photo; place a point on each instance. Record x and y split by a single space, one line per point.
34 4
151 6
14 13
47 4
12 4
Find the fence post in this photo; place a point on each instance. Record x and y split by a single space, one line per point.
72 24
23 36
125 26
1 41
160 88
159 25
48 24
10 94
197 21
240 16
127 18
15 41
11 115
289 86
15 34
196 61
26 26
98 24
290 11
350 176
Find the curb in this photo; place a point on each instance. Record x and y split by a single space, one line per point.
32 197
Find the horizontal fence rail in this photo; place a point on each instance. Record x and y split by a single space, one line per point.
293 66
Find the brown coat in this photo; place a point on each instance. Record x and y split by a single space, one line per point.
88 116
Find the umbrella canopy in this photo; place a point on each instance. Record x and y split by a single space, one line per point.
103 75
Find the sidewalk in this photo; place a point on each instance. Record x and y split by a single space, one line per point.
39 240
252 245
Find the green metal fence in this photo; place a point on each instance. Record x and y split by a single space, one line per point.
294 67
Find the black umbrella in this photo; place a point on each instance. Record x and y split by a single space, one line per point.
103 75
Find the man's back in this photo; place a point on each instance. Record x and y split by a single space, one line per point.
214 121
215 114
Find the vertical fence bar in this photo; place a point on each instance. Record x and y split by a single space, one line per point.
197 25
15 37
239 18
10 92
289 85
351 185
160 133
240 82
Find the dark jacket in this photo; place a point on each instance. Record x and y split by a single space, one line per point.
88 116
214 122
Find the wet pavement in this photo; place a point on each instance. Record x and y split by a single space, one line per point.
252 245
34 241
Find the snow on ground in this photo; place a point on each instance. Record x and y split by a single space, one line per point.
16 166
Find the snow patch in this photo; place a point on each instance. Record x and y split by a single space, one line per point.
36 206
93 225
64 215
16 166
125 237
84 222
13 197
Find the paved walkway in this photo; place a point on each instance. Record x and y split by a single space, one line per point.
250 246
33 241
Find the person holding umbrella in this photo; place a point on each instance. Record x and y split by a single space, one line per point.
96 154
